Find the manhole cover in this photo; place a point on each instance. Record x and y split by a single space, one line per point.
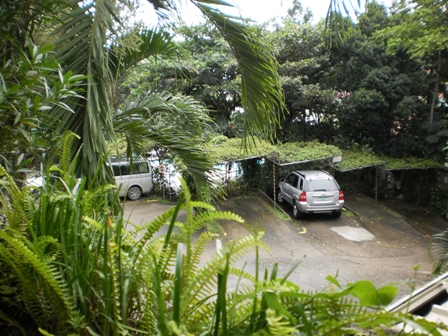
353 233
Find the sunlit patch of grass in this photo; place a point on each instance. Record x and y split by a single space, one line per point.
279 214
158 199
348 212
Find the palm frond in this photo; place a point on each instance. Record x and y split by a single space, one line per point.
186 143
261 91
150 43
439 252
80 46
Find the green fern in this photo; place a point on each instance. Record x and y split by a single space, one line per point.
65 155
15 203
18 256
277 325
198 282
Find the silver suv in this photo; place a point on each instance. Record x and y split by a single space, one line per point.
311 191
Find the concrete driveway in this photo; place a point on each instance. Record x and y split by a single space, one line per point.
373 242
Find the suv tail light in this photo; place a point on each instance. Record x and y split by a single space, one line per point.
302 197
341 195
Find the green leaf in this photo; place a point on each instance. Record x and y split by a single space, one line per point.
387 294
333 280
271 301
177 285
365 291
274 272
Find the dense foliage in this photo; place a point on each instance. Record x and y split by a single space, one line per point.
364 89
96 48
67 263
385 102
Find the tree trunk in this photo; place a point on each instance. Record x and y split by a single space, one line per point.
436 88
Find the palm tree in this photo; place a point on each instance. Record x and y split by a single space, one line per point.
87 43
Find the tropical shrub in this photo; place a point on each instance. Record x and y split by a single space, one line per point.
32 82
68 266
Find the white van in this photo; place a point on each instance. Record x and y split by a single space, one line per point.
132 178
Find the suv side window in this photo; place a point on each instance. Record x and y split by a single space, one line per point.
292 180
301 184
296 181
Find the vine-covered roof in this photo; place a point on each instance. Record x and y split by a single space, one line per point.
411 163
298 152
357 159
222 149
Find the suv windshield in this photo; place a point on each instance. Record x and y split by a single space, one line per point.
322 185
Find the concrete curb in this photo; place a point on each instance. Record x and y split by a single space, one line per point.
353 211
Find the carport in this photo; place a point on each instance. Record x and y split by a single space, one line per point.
277 160
386 176
378 172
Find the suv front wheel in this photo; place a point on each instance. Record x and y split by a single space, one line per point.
296 212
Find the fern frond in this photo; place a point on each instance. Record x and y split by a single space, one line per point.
199 248
60 197
65 153
115 281
90 197
201 205
41 268
153 227
343 325
43 243
203 218
8 183
203 282
277 325
16 205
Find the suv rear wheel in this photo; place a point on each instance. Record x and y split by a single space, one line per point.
336 214
296 212
280 197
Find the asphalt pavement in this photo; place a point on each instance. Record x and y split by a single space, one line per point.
370 241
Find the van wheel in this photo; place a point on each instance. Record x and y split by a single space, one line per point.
280 197
336 214
296 212
134 193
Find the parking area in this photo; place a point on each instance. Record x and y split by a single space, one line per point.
371 242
